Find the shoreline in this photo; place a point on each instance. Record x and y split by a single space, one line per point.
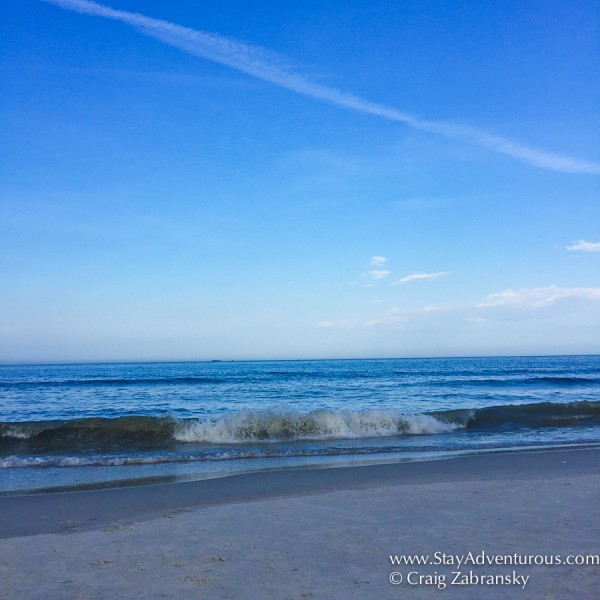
75 509
320 534
327 462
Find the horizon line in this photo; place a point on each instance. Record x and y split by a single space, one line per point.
247 360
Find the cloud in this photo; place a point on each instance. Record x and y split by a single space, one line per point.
379 274
531 298
377 261
508 303
524 299
265 65
420 276
583 246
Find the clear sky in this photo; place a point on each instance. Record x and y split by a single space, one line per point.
243 179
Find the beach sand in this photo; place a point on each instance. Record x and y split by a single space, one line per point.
313 533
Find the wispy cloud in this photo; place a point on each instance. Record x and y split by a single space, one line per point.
270 67
583 246
538 297
378 274
506 304
377 261
420 276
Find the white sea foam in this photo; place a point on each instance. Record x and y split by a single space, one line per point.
322 424
15 433
13 462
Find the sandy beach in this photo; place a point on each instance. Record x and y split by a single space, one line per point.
318 533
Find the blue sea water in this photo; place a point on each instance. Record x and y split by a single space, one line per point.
64 425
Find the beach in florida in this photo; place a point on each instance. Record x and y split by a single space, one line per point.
299 300
300 478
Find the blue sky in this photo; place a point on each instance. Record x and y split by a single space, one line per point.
238 180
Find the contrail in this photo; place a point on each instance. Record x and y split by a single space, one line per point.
268 66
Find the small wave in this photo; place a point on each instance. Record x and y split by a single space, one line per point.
82 434
510 382
324 375
483 372
566 380
111 382
15 462
317 374
516 416
449 379
239 453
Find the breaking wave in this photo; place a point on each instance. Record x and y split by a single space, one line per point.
151 432
247 426
318 425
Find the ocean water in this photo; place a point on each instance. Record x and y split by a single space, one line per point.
96 424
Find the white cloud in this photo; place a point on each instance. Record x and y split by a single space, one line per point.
482 312
583 246
377 261
538 297
265 65
420 276
379 273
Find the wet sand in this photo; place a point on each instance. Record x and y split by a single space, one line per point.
315 533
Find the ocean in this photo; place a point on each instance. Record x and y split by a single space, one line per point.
92 425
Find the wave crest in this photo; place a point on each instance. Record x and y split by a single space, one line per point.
154 432
322 424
